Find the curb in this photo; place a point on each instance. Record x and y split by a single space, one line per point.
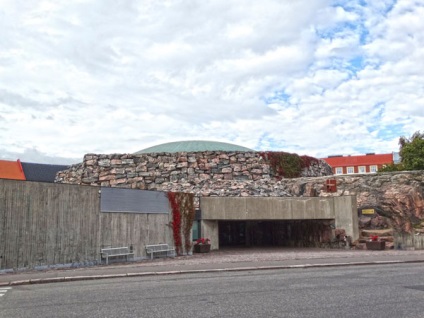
196 271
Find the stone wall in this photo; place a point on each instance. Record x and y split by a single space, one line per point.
163 171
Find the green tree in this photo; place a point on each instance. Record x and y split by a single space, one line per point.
412 151
392 167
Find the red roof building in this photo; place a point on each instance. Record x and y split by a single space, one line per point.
11 170
369 163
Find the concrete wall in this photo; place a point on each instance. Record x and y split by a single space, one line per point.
46 224
341 209
136 229
209 229
257 208
230 208
346 215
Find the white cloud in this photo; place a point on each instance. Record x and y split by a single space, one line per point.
300 76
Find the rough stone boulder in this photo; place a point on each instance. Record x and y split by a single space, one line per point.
396 196
400 200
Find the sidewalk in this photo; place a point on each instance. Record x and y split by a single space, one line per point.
222 260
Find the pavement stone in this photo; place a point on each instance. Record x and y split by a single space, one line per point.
236 259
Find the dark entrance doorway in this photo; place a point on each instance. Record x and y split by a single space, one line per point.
263 233
267 233
232 233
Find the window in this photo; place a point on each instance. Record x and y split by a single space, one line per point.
361 169
195 230
339 170
350 170
373 169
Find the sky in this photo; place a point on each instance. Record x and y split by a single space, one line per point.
315 78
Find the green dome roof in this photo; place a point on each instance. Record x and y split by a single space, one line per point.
193 146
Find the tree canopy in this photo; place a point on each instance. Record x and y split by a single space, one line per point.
412 151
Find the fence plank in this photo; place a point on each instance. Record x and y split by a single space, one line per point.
46 224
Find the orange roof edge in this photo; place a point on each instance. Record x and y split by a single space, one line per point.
20 166
11 170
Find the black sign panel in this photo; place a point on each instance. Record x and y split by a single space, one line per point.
133 201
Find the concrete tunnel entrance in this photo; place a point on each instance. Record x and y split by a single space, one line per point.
276 221
269 233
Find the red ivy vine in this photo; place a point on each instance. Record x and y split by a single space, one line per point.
182 206
176 221
307 161
287 165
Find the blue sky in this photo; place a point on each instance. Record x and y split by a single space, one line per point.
311 77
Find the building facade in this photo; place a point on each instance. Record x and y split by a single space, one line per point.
361 164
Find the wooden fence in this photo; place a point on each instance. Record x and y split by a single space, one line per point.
47 224
408 241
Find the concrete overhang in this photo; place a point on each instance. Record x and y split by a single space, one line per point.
342 209
270 208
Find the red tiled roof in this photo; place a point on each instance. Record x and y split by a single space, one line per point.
11 170
363 160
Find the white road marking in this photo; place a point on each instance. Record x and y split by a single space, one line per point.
4 290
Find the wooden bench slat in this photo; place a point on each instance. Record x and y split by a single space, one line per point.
115 251
153 249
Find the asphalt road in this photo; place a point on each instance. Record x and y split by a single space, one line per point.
352 291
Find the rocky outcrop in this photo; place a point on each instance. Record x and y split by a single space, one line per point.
158 170
397 197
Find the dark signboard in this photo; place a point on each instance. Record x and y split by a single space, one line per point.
133 201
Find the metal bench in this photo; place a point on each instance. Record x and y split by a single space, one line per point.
161 249
116 252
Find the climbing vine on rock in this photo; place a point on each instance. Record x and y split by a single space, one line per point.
188 213
307 161
176 221
287 165
182 206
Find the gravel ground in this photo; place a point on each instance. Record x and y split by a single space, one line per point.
234 255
